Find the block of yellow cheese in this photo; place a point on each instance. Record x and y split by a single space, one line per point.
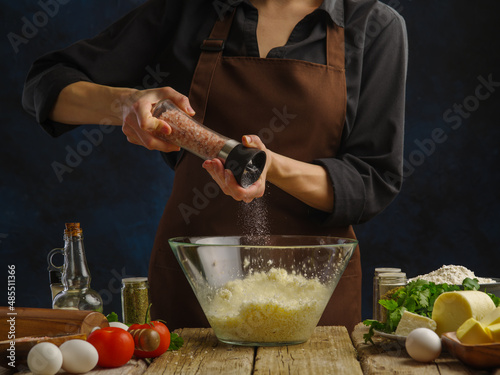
452 309
494 331
410 321
472 332
493 317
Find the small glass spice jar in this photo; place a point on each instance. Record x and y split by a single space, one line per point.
388 283
135 299
376 295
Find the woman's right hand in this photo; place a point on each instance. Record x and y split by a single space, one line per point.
139 123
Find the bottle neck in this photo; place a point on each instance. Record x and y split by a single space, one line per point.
76 273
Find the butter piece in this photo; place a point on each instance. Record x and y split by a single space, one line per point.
473 332
452 309
410 321
493 317
494 331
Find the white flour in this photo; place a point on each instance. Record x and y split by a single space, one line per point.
451 275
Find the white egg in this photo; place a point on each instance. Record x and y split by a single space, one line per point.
79 356
119 325
44 358
423 345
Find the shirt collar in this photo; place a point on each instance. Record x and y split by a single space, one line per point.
334 8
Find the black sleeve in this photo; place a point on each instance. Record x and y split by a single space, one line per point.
367 172
119 56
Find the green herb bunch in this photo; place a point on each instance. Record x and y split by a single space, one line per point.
417 297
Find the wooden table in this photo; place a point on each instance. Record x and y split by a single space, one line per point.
329 351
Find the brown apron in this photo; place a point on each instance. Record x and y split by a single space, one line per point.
298 109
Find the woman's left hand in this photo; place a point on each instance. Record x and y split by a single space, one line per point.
226 181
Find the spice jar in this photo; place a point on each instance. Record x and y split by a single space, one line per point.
376 295
245 163
135 299
388 283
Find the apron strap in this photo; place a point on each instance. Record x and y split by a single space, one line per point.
211 53
335 57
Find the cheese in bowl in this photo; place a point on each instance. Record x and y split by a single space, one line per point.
273 306
263 290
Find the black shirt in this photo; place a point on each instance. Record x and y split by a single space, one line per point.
158 44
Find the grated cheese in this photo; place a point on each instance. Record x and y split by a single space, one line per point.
268 307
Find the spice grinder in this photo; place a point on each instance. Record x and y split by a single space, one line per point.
245 163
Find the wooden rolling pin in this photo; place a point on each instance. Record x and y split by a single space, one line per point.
48 322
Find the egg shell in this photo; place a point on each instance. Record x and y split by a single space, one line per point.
44 358
423 345
119 325
79 356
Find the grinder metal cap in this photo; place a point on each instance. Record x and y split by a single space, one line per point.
246 163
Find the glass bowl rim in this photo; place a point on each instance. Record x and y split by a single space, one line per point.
346 241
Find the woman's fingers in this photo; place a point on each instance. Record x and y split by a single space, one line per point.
253 141
142 128
137 136
182 102
228 184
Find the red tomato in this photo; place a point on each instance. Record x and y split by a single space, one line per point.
164 339
114 345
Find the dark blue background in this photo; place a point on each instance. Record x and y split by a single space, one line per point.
447 212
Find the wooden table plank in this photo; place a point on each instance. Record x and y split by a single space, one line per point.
390 357
328 351
203 354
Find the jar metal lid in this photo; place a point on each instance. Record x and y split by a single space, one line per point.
130 280
387 269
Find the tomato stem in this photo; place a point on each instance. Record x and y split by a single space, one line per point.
147 318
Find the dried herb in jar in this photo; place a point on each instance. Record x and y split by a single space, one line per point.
135 299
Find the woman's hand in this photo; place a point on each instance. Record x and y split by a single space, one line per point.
138 122
307 182
89 103
225 179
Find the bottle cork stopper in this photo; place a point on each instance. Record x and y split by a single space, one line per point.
73 229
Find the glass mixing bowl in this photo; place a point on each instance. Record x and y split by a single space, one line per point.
263 290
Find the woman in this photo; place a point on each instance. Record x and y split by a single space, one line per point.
318 85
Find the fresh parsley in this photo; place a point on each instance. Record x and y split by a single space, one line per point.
175 341
112 317
417 297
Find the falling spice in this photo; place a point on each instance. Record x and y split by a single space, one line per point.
135 299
